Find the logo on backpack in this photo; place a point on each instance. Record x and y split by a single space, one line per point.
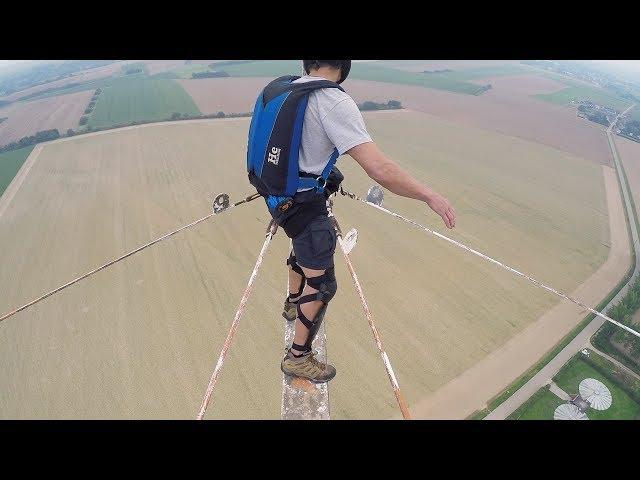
274 156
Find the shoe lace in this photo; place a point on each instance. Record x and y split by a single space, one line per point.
317 363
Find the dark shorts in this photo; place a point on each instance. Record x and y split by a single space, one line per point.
315 245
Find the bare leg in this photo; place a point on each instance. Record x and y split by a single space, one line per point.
309 309
295 279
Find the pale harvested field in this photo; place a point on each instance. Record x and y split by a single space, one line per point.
470 391
229 95
158 66
629 152
502 110
421 65
84 76
520 85
139 340
61 112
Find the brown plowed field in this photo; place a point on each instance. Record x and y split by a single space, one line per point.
508 110
61 112
157 66
229 95
421 65
520 85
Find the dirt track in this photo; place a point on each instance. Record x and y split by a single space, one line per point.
471 390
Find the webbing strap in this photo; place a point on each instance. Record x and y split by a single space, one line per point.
318 182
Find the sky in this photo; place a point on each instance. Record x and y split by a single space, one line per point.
631 67
628 64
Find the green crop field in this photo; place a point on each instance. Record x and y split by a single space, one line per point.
131 67
540 406
584 92
10 163
127 100
452 81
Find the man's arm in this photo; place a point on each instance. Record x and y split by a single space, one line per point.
389 174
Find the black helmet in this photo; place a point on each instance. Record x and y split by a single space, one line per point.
343 65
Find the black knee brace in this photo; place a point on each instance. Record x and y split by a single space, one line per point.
327 286
291 261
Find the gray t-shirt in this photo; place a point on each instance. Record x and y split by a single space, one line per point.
332 120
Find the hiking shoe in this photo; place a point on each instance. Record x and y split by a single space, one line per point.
307 367
290 310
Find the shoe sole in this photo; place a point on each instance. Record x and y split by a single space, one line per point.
307 378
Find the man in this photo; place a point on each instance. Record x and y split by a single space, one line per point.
293 168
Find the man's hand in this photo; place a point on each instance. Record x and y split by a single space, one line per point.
388 174
442 207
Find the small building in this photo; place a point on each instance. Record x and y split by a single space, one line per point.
580 402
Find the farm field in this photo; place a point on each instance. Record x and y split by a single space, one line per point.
229 95
521 85
489 376
581 92
139 340
508 111
421 65
88 75
61 112
10 163
157 66
184 71
128 100
452 81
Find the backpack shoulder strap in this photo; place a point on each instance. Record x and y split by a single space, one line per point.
285 84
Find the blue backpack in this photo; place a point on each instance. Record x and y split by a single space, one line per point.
274 142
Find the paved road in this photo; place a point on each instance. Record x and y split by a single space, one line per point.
558 392
542 378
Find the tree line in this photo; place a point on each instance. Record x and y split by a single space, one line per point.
208 74
622 312
90 107
42 136
369 105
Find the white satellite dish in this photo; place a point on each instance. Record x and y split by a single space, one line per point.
596 393
568 411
